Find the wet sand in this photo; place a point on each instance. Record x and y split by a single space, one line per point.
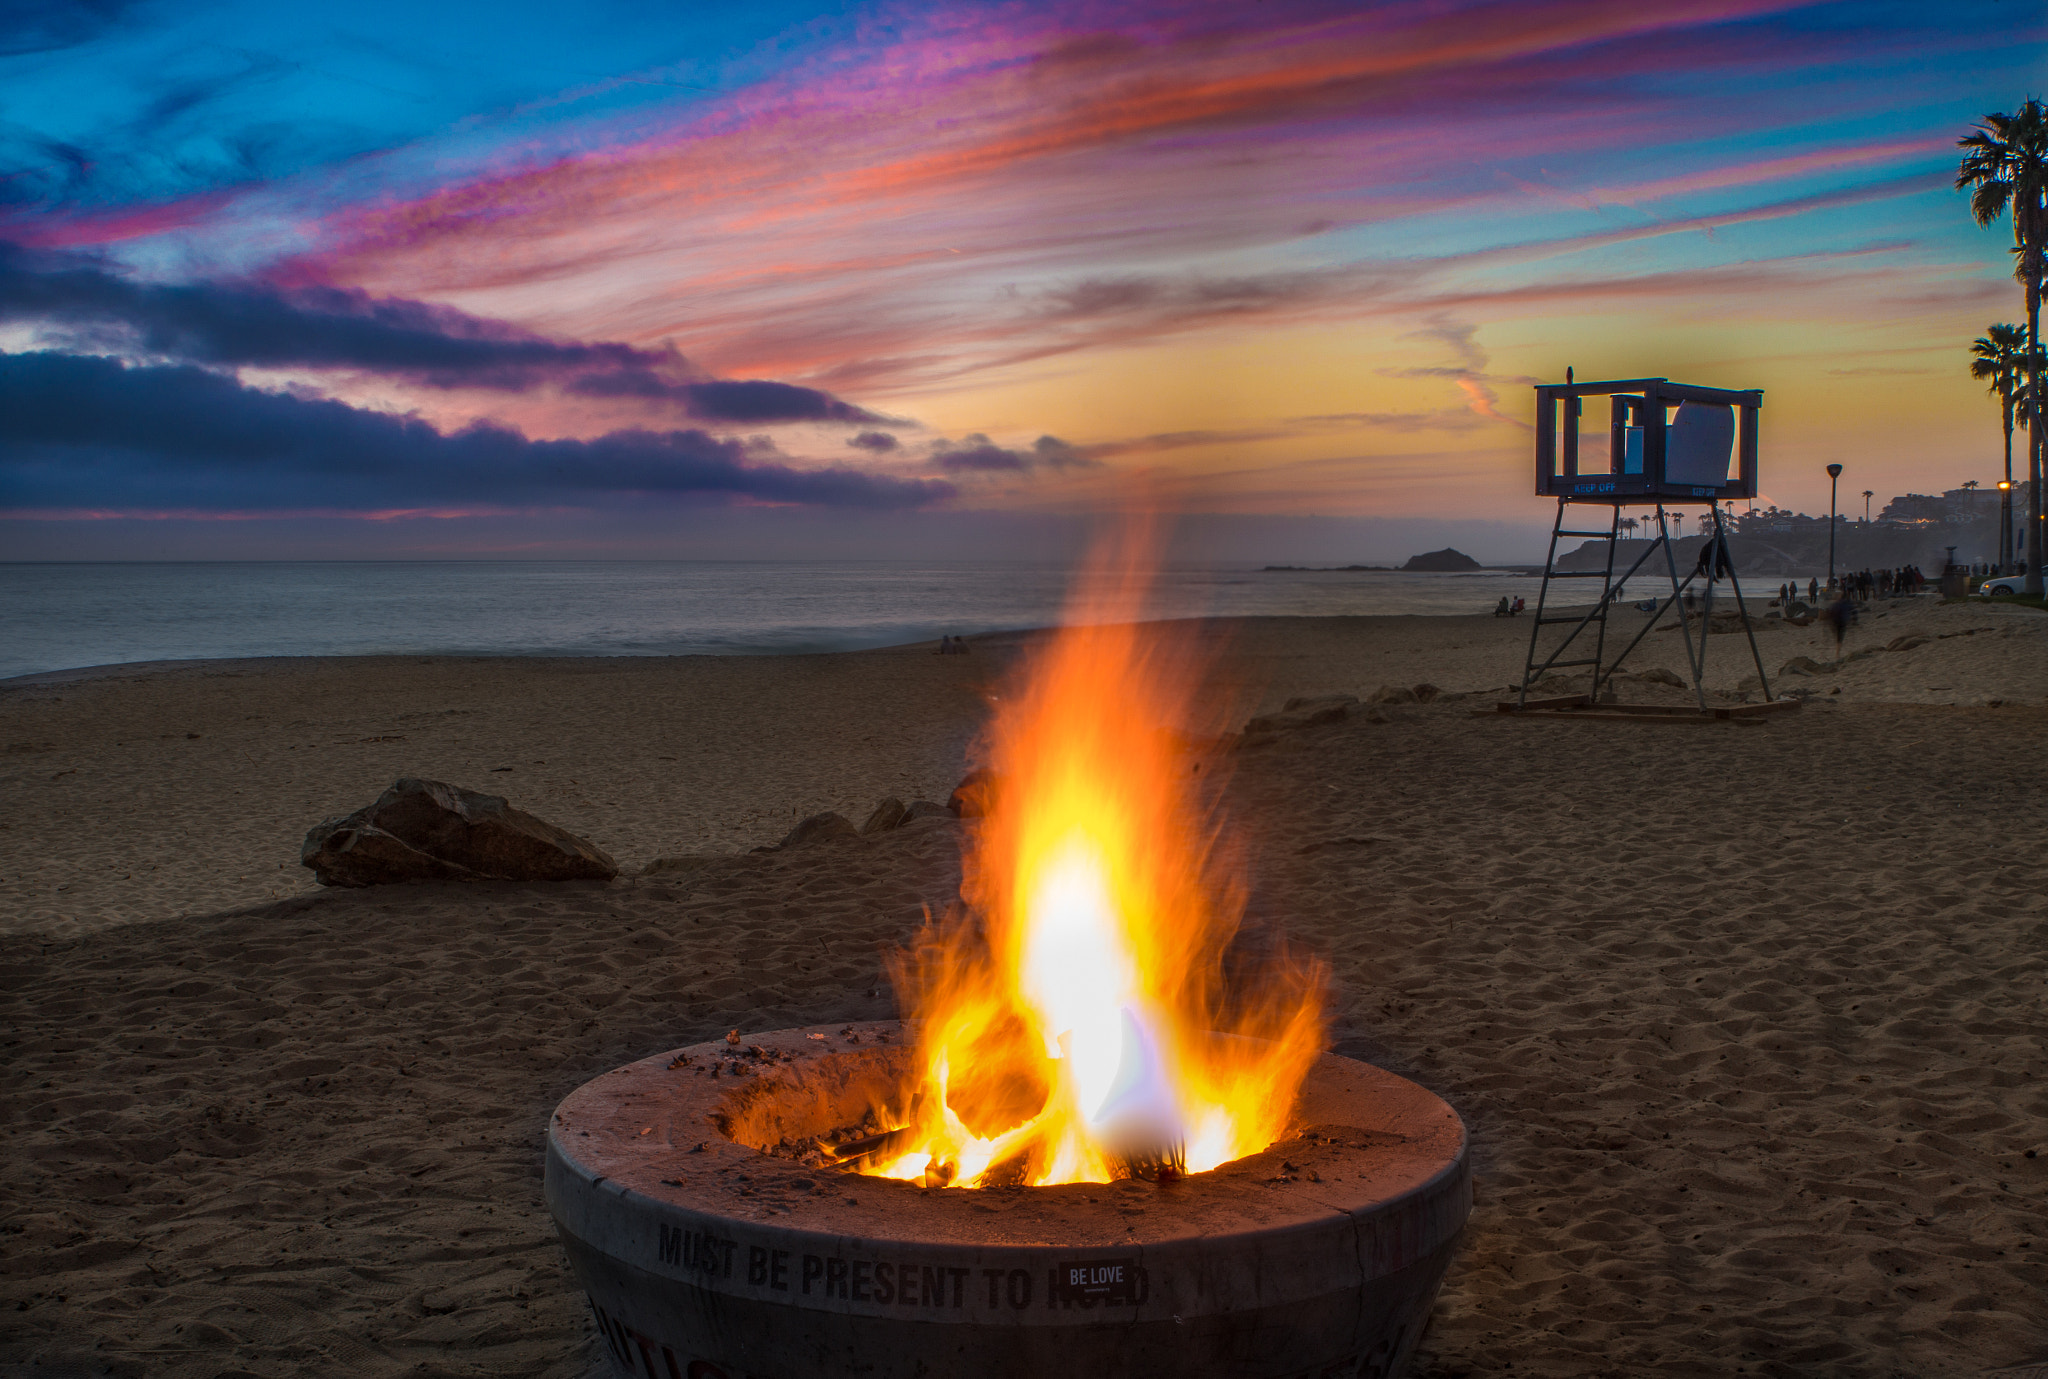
1746 1019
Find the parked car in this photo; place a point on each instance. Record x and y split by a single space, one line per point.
2002 584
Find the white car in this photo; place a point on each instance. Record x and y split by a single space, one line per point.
2002 584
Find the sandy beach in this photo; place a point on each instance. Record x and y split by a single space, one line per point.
1746 1019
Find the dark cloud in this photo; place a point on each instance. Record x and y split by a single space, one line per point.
877 442
41 26
248 324
77 431
977 454
734 400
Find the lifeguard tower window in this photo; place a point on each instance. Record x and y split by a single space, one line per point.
1673 441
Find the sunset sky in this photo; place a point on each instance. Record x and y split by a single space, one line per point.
773 279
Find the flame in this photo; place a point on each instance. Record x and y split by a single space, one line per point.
1077 1018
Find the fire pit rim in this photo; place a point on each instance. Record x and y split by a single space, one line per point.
1255 1192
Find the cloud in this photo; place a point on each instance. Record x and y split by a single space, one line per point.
977 454
753 400
1443 419
42 26
81 432
1469 373
315 327
876 442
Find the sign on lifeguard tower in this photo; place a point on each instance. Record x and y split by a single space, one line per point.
1670 441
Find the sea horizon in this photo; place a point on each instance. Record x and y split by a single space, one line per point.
58 616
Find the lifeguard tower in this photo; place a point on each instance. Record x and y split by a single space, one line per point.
1669 446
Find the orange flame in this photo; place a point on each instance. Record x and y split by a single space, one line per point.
1076 1021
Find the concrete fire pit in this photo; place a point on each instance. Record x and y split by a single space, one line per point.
706 1258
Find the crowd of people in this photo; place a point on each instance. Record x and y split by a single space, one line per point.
1859 585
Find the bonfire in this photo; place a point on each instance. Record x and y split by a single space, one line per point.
1077 1016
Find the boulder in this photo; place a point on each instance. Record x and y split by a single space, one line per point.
1805 665
923 809
427 830
1905 643
1392 694
817 828
888 814
1658 675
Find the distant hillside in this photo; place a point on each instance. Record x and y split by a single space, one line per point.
1804 551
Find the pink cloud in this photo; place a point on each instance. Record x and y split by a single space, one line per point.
906 221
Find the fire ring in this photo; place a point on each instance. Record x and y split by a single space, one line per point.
706 1258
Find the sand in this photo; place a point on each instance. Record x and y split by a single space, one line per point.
1746 1019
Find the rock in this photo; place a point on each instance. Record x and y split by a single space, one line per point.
1303 713
923 809
817 828
887 815
975 795
1656 675
1440 561
1906 643
1391 694
1426 692
1805 665
427 830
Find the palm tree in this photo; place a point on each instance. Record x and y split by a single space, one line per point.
1868 494
2000 359
2005 169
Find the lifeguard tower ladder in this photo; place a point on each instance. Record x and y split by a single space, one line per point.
1669 446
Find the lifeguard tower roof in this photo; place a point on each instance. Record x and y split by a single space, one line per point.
1666 442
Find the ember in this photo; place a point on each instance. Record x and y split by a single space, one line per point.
1074 1024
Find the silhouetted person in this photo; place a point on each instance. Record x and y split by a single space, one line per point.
1840 614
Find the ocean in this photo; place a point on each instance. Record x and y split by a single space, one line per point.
66 616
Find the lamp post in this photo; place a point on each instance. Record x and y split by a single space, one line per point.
1834 475
2005 526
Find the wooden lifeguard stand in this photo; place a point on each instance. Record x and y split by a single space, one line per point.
1669 446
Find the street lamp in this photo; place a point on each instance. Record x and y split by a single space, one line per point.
1834 473
2005 526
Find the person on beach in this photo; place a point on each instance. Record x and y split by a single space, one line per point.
1501 609
1840 614
1813 591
